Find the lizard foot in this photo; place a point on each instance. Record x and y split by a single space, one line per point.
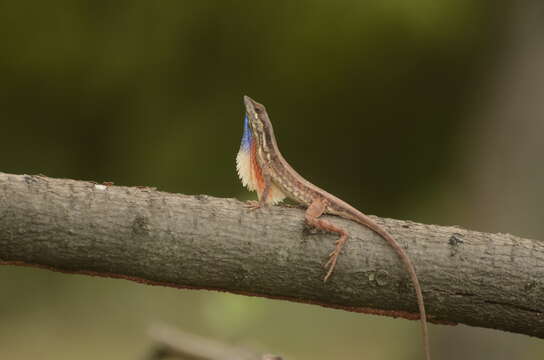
253 205
333 256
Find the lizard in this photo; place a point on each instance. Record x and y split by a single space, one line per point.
262 168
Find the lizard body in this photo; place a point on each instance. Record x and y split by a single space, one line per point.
263 169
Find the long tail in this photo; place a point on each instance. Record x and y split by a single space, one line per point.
369 223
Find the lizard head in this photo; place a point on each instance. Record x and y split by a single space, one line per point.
247 163
257 149
257 119
258 124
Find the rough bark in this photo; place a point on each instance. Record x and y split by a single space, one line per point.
480 279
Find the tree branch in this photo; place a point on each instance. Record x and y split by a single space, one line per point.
201 242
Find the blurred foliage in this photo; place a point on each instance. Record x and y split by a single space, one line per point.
150 93
367 99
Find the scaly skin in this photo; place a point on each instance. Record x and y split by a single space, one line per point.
273 178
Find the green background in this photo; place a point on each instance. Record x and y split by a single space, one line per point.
371 100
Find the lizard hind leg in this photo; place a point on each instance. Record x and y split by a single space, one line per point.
314 211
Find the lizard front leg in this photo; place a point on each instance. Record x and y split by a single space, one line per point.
264 192
314 211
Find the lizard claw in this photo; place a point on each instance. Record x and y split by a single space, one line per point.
330 265
252 205
333 256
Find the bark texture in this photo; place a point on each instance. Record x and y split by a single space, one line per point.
480 279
